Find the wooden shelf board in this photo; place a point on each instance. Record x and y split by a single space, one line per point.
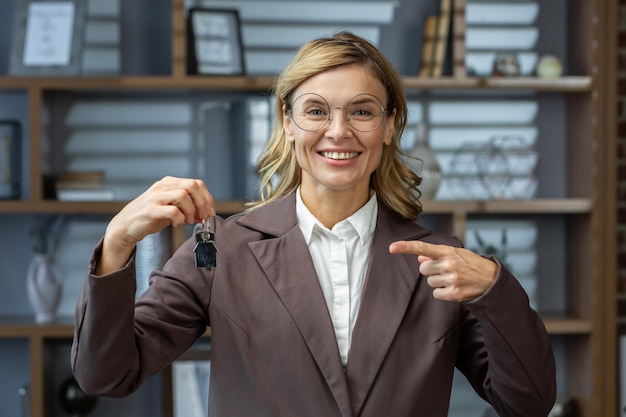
25 326
235 83
14 327
92 207
539 206
264 83
564 326
18 327
562 84
570 83
569 205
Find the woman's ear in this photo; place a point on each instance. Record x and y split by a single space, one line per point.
287 126
390 125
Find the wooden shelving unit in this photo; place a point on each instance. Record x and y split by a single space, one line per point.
586 328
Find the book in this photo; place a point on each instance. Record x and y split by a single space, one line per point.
81 176
82 186
444 24
77 194
458 39
79 180
428 45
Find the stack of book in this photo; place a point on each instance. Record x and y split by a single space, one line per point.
82 186
443 41
435 41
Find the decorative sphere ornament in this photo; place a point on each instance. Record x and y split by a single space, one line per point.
549 66
73 400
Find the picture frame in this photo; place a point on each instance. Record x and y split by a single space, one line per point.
214 42
10 159
47 40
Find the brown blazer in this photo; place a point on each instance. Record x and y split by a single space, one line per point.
274 351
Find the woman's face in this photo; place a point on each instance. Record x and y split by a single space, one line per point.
338 157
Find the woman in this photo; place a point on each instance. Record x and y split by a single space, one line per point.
327 298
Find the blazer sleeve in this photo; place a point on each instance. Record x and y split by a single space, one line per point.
505 351
118 342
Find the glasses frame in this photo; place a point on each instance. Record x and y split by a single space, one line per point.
345 112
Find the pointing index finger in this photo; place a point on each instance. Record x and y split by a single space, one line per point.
417 247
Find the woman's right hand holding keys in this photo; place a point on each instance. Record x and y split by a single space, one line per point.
169 201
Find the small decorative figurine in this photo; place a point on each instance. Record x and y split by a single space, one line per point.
506 65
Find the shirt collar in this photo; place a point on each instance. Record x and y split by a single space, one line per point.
363 220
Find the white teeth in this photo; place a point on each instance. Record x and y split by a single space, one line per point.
340 155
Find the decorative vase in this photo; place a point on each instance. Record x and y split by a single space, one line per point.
44 282
424 162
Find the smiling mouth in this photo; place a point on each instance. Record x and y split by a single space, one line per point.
340 155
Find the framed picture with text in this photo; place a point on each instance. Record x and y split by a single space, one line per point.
214 44
47 39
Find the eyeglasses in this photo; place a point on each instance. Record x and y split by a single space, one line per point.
311 112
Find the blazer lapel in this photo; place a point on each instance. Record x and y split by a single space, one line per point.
287 263
388 289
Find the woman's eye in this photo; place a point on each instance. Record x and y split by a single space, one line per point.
315 112
362 112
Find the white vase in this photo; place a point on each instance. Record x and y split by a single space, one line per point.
44 282
425 164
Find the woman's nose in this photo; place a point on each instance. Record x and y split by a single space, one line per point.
338 124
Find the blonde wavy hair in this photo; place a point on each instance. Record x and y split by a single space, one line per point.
395 184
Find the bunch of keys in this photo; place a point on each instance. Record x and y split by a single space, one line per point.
205 248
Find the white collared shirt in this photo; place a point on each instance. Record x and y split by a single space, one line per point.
340 257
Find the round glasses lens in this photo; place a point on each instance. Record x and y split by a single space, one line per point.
311 112
365 112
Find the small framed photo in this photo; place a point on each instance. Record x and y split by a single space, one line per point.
10 157
214 44
47 37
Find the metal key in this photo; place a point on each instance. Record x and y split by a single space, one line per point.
205 249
